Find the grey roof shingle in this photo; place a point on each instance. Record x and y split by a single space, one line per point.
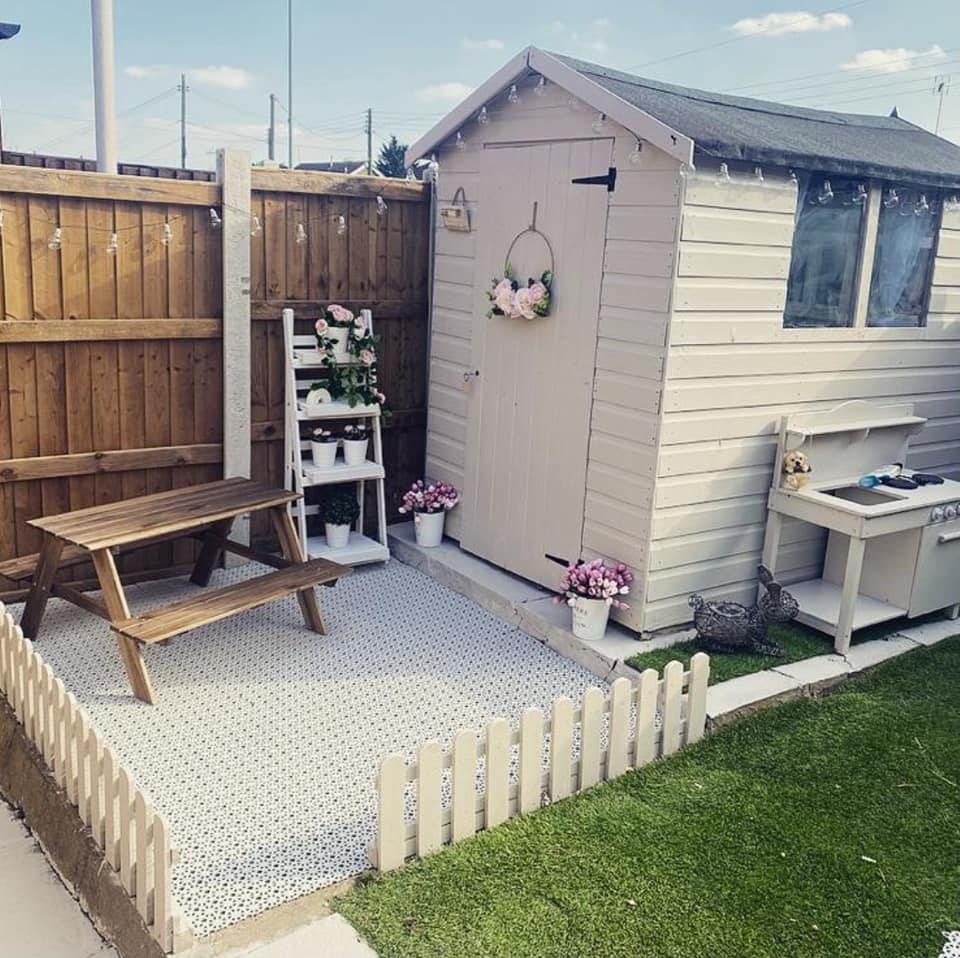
738 128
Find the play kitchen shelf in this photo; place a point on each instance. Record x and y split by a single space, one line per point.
890 552
303 368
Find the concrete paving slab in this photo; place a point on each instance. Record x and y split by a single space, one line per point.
330 937
746 690
39 917
930 633
821 668
865 654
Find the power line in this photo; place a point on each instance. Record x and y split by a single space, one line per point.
891 86
737 39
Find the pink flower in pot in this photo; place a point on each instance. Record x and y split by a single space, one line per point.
340 314
367 357
321 326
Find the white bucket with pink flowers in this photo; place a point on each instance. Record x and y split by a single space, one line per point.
429 502
334 330
592 589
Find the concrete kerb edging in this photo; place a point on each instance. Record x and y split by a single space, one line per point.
809 678
27 784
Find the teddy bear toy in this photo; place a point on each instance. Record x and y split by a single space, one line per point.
796 469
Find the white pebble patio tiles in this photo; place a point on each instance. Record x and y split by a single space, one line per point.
262 749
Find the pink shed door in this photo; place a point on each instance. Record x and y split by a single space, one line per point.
529 407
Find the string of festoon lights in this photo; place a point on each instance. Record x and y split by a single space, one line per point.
60 232
723 177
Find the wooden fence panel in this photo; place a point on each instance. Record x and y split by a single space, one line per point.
606 750
134 838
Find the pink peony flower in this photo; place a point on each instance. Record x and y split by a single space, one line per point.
523 303
360 322
340 314
321 326
367 357
503 286
381 398
504 300
537 292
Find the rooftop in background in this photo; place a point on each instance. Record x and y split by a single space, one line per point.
334 166
760 131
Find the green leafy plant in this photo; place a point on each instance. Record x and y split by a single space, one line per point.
339 507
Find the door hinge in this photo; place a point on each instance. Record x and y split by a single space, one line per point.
608 179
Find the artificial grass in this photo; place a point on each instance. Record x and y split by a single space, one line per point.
797 641
824 828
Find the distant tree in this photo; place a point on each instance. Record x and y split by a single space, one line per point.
390 162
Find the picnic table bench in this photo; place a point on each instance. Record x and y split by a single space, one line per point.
206 512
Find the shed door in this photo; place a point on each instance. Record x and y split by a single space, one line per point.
529 408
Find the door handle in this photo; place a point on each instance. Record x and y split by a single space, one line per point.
946 537
467 376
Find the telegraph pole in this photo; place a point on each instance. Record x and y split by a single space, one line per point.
369 141
941 87
183 88
101 15
272 131
290 84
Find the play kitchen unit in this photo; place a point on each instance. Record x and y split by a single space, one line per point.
893 544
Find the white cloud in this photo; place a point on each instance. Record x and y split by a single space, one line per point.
800 21
145 72
225 77
592 40
895 60
452 92
469 44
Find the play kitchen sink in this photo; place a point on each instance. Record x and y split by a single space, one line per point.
890 552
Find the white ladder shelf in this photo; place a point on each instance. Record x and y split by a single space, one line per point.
301 356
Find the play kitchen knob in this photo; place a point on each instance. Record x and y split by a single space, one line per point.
937 515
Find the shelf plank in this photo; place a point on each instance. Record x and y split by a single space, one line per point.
336 410
820 606
359 550
341 472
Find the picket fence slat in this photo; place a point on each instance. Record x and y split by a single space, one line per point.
606 750
464 785
134 838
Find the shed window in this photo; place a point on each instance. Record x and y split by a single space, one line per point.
903 261
826 252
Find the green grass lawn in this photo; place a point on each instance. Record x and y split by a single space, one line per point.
824 828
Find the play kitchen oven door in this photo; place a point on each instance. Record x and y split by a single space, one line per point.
936 582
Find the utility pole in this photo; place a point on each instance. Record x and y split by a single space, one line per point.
101 17
290 84
183 88
369 141
941 87
272 131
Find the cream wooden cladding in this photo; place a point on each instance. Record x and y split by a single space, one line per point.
679 696
134 838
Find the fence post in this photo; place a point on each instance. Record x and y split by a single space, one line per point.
233 175
591 723
697 697
391 835
429 805
645 747
561 742
617 746
464 784
530 760
672 700
498 768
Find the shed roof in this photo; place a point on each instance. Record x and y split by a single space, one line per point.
729 127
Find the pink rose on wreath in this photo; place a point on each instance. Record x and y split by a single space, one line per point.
340 314
367 357
503 300
537 292
321 326
523 303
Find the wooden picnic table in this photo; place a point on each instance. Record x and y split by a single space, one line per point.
206 512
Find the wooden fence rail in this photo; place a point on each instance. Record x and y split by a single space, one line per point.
616 733
135 839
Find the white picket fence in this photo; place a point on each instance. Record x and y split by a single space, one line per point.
616 733
134 838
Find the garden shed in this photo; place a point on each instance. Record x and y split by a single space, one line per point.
718 262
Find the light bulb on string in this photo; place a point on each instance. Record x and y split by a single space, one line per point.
892 199
597 125
215 220
341 225
792 176
255 228
541 88
922 205
381 206
636 154
112 246
1 220
723 174
513 96
410 174
573 103
687 170
461 143
56 239
860 196
301 236
167 235
758 175
483 118
826 193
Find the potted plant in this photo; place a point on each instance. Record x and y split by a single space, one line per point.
591 589
339 510
333 330
429 503
355 442
323 446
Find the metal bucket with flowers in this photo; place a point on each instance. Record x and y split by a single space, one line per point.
592 589
429 503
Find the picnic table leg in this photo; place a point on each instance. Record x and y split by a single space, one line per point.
292 549
118 610
211 551
43 576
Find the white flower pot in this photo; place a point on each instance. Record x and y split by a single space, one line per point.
589 618
324 453
428 528
339 336
337 536
355 451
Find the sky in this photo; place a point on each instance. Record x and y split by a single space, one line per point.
412 62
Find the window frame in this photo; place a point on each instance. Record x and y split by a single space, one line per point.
866 254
